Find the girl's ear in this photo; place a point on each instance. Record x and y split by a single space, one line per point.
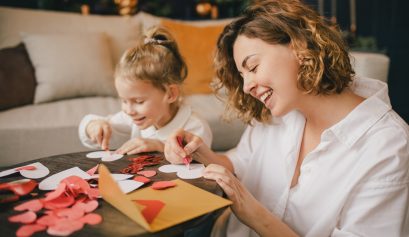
172 93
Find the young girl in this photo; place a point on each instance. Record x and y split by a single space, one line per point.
148 80
324 153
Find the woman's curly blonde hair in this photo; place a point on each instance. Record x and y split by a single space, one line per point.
325 65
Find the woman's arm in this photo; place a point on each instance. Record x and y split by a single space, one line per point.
246 208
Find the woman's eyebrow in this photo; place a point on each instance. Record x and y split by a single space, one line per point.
244 63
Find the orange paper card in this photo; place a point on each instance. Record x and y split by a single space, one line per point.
181 203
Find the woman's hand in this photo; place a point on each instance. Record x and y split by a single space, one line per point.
99 131
139 145
244 206
175 153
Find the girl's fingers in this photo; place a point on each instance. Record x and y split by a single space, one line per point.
106 136
134 151
99 136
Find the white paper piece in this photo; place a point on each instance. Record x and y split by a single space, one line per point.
195 171
129 185
39 172
112 157
52 182
8 172
106 156
96 154
116 177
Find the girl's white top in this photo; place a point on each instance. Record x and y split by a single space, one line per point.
124 129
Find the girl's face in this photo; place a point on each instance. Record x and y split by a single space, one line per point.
269 73
146 104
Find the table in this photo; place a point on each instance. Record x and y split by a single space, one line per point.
114 222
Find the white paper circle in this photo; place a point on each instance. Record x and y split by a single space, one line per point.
96 154
111 157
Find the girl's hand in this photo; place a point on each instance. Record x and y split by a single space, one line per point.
99 131
174 153
139 145
245 206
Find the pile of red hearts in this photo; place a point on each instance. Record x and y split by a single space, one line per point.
61 212
138 163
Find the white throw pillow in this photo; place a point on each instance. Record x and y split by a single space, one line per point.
70 65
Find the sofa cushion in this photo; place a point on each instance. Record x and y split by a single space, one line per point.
197 45
17 78
122 32
70 65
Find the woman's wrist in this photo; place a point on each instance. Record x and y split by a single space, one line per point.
267 224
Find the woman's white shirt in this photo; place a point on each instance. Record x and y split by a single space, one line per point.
354 183
124 129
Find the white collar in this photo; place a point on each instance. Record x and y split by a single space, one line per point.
180 119
367 113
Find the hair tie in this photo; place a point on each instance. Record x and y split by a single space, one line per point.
152 41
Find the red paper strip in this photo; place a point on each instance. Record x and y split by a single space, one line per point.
152 208
163 185
93 170
28 167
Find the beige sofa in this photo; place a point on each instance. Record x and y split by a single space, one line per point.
73 57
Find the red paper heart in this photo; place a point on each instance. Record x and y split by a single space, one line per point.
152 208
65 227
141 179
57 192
25 218
163 185
91 219
86 206
147 173
32 205
28 230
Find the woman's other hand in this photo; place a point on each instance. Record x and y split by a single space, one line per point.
244 206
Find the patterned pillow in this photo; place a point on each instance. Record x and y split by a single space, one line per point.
17 78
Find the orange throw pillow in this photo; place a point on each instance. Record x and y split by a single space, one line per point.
197 45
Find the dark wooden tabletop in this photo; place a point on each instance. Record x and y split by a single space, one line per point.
114 222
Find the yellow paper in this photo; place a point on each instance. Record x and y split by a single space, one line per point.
182 203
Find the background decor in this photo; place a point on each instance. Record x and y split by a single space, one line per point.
369 25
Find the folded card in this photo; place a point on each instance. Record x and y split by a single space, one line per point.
180 203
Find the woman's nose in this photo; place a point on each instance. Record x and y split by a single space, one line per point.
248 84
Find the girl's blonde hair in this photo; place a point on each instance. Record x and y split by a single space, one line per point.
325 66
155 58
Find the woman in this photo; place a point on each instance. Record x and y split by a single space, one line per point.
324 154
